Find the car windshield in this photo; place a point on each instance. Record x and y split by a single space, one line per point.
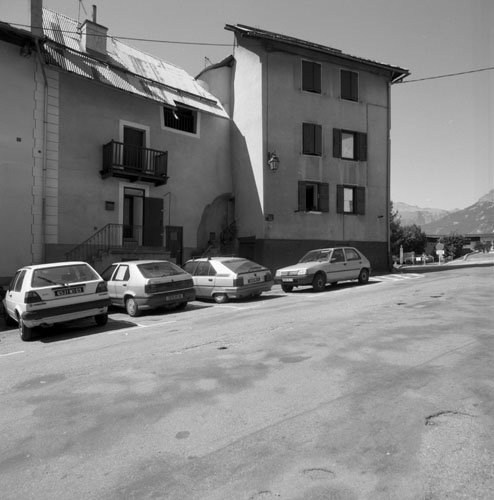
316 256
159 269
62 275
242 266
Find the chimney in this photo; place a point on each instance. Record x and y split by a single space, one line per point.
37 17
94 37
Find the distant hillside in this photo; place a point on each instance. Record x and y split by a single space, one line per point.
475 219
411 214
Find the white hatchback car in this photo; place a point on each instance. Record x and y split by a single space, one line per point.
224 278
325 265
46 294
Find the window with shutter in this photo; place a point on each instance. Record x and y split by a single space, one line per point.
350 199
349 85
311 77
349 145
311 139
313 196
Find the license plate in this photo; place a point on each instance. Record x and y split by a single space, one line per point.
287 279
177 296
69 291
254 280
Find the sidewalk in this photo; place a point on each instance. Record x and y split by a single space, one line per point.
469 260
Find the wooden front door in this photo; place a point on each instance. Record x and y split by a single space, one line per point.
152 231
174 242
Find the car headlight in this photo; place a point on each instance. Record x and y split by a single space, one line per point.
302 271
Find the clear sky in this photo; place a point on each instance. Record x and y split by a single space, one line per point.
442 129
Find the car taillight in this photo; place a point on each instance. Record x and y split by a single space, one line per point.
150 288
32 298
101 287
238 282
268 277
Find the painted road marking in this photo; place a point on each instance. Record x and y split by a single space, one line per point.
11 353
397 277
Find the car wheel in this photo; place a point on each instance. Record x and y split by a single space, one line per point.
220 298
101 319
132 308
363 277
182 305
25 332
287 288
319 282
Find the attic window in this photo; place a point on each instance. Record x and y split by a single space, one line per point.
180 118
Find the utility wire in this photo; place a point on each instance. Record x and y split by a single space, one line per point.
128 37
446 76
151 40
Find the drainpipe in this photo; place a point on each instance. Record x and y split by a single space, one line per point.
43 152
388 181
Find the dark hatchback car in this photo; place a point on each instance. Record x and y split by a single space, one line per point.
148 284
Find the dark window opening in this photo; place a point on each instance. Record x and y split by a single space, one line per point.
313 196
183 119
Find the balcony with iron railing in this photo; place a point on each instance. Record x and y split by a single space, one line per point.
134 163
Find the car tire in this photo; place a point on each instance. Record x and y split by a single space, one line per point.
319 282
101 319
363 277
25 332
220 298
132 308
287 288
182 305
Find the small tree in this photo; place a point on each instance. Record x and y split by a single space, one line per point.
411 237
453 244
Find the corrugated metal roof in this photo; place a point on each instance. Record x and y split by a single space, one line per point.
125 68
251 32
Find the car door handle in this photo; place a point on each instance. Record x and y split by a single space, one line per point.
210 279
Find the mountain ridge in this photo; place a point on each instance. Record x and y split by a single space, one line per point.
477 218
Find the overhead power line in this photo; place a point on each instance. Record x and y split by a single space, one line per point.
153 40
446 76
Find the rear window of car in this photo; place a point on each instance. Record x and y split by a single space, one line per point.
159 269
62 275
242 266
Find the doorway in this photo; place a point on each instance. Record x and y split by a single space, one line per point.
174 242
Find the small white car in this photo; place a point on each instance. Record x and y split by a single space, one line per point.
46 294
224 278
325 265
148 284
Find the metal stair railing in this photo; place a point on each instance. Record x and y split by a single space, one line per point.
108 237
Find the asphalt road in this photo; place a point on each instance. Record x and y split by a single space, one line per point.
383 391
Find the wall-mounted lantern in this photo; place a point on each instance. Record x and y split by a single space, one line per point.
273 161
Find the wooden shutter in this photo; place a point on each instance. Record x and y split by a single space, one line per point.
306 76
353 86
317 77
337 143
340 199
307 138
360 200
324 197
318 140
302 201
362 146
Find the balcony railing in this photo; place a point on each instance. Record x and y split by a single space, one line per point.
134 163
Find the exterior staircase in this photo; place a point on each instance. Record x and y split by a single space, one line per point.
115 243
